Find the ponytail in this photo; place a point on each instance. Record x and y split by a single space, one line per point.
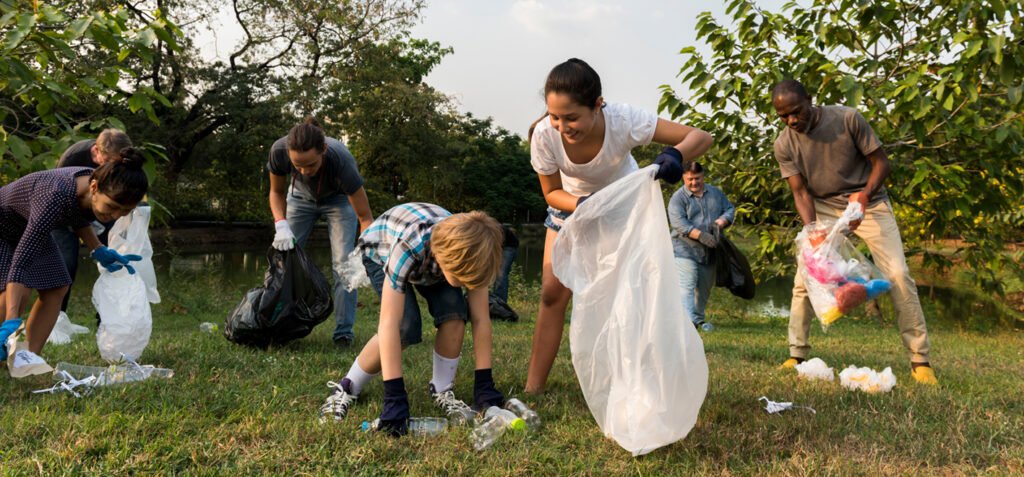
124 181
306 135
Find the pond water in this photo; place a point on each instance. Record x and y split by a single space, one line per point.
243 267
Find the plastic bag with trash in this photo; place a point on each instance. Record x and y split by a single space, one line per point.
867 380
294 298
64 330
837 277
122 299
638 358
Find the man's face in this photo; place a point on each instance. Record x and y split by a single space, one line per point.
794 111
694 181
307 162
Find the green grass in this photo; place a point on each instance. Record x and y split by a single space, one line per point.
234 410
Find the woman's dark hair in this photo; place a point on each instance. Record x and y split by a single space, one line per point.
123 180
693 167
306 135
576 79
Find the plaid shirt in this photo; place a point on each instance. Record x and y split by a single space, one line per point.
399 240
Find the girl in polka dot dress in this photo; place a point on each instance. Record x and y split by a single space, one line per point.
32 207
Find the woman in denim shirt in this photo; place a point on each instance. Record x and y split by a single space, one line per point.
697 211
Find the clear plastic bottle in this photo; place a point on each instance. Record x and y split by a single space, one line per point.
495 421
208 327
418 426
463 417
520 409
113 374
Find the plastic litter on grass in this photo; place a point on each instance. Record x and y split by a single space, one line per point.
815 368
867 380
777 407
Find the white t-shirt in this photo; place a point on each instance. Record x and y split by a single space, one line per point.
625 127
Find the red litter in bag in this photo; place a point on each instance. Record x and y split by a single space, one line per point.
850 295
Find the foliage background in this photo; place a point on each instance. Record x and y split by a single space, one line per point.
940 82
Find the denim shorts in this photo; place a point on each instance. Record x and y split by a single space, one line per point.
444 302
556 218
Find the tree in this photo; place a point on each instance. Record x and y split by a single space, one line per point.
44 87
939 82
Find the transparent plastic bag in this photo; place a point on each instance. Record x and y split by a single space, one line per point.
639 360
837 277
122 299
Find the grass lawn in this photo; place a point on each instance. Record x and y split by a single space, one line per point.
235 410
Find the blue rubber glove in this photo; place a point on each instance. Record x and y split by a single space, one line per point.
671 165
6 330
581 199
113 261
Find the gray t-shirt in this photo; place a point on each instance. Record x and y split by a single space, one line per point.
78 155
338 174
832 157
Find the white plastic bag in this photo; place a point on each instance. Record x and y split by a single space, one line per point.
64 330
638 358
122 299
867 380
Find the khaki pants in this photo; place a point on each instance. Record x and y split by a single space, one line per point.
882 236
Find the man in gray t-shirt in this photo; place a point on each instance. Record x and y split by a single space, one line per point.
830 157
324 182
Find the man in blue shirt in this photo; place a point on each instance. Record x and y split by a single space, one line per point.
697 211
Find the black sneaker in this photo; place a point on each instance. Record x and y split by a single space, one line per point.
343 343
337 404
457 411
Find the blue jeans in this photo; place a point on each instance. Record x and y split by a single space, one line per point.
508 255
342 227
696 281
444 301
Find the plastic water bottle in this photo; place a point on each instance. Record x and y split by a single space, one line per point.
113 374
520 409
208 327
463 417
418 426
496 420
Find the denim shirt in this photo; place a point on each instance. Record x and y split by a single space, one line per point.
687 211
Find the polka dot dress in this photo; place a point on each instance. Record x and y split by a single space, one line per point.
30 208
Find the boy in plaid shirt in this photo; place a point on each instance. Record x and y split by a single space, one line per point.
424 247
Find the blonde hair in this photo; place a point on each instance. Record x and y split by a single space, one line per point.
113 141
468 246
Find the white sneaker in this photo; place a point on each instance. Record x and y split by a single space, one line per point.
25 357
337 404
458 412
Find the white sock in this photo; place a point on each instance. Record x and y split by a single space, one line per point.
444 372
358 377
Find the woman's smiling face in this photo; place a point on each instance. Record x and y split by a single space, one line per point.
573 120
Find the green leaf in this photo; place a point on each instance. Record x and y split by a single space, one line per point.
995 46
137 101
78 27
18 147
948 103
26 22
1001 133
1014 94
973 47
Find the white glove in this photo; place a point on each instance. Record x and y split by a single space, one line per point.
284 239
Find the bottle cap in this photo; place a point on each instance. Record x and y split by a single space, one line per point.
517 424
366 426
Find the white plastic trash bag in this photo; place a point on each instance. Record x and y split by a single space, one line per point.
122 299
132 231
638 358
64 330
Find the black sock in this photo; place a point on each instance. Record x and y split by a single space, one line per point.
484 393
914 366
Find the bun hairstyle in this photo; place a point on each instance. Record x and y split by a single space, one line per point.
306 135
574 78
123 180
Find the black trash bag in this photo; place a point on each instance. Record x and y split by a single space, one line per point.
732 269
294 298
500 310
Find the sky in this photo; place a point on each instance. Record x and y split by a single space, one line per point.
504 49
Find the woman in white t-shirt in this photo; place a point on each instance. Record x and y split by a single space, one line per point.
580 146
